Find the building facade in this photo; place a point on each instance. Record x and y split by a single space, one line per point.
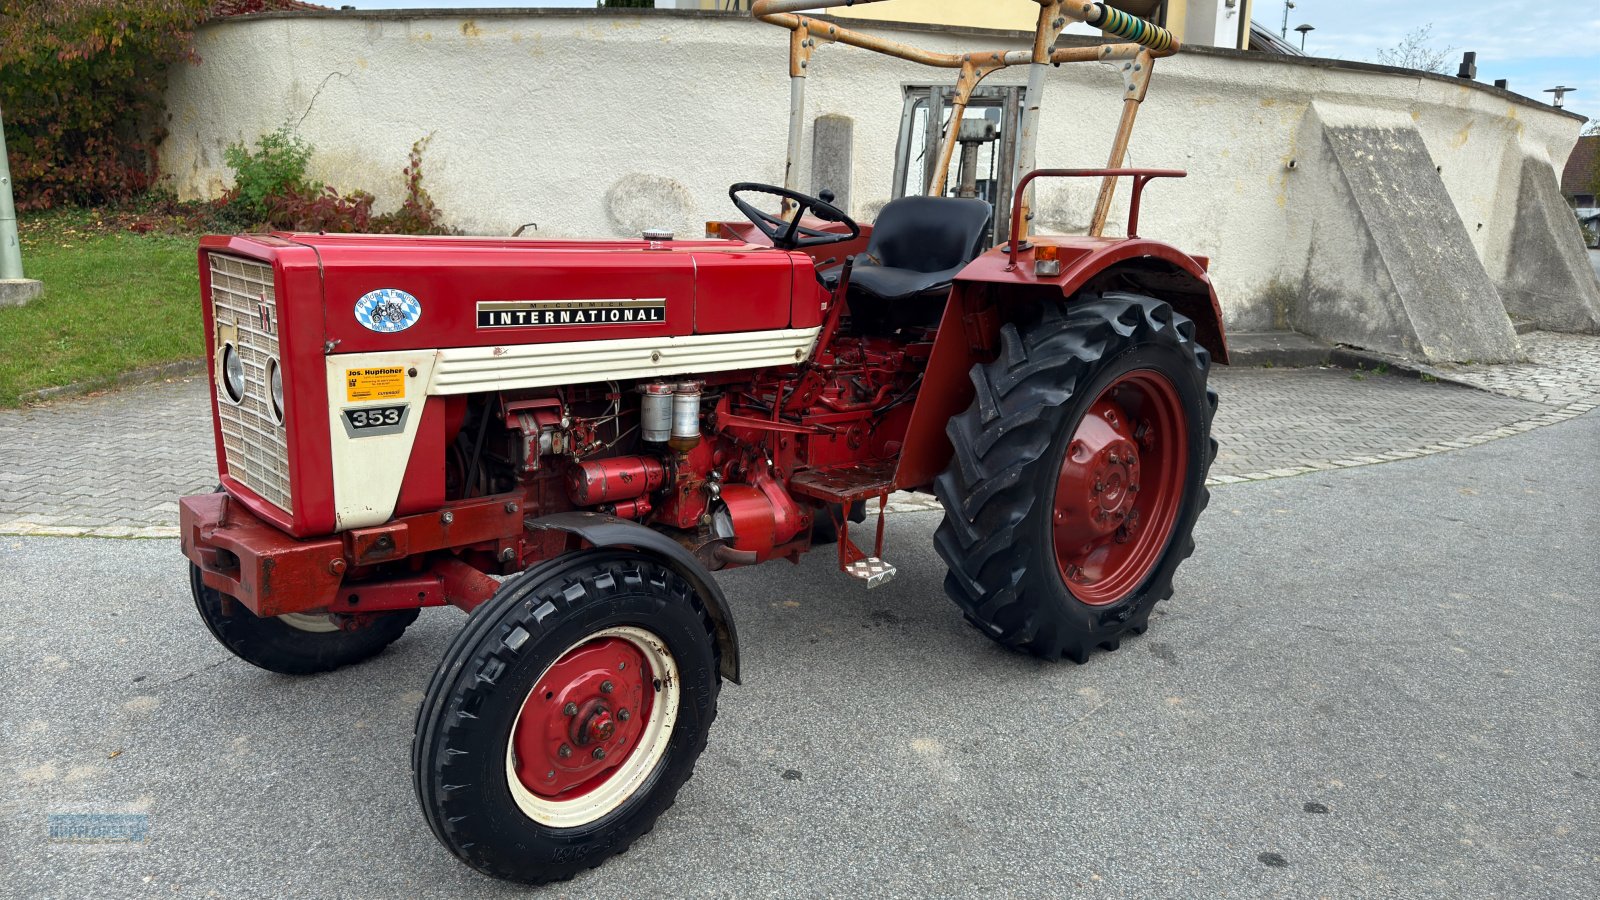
1214 23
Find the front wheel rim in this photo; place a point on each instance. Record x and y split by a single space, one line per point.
594 727
312 623
1120 487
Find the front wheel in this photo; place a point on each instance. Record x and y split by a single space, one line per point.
1078 473
294 643
566 715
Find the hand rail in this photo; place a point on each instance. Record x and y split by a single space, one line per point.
1141 177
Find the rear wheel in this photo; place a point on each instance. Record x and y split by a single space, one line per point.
566 716
1079 471
294 643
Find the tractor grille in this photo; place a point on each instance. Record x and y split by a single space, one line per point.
257 447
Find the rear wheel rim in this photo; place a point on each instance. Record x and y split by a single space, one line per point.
594 727
1120 487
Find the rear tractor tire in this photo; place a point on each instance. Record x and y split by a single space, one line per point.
566 715
1078 473
296 643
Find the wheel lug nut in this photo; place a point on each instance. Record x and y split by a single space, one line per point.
551 776
599 753
624 715
606 687
622 666
564 752
571 709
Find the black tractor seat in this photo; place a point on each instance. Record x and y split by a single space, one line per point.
918 246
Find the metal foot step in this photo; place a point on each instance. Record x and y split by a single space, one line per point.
872 570
845 484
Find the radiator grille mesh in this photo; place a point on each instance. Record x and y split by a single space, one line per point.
257 447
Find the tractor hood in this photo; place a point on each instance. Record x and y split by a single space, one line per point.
381 292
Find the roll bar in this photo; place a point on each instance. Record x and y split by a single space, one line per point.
1141 177
1144 44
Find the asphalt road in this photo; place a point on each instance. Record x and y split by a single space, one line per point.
1373 682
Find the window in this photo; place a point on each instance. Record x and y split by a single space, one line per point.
926 112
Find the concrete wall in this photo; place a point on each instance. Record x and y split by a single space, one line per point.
603 123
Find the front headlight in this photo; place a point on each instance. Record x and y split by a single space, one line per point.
275 388
233 383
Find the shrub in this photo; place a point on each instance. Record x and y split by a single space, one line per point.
273 172
81 84
323 208
271 188
417 213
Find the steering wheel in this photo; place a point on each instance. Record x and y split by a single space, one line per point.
791 235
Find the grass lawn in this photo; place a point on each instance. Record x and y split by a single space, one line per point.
113 301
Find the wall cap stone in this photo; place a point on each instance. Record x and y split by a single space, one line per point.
1314 62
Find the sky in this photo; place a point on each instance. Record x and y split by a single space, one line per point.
1536 44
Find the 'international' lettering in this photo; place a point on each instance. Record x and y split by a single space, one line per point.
543 313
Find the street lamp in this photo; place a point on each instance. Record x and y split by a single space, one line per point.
1287 5
1561 93
1305 30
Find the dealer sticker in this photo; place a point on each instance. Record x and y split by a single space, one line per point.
382 383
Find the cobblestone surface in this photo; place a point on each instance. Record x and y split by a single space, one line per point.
114 465
1565 368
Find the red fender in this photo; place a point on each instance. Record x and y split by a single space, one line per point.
994 289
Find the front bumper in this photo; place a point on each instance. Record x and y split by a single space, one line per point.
253 561
272 573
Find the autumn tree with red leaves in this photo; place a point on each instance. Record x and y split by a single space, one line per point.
81 85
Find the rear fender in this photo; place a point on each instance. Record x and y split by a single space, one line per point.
991 292
609 531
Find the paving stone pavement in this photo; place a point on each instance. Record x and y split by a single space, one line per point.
1563 369
113 465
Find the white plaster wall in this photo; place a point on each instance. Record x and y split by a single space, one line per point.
538 117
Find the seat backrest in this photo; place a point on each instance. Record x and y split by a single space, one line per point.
928 234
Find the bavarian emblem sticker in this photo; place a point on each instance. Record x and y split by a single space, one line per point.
387 310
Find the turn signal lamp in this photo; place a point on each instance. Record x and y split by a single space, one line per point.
1045 262
713 230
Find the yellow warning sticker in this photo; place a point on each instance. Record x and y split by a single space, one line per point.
385 383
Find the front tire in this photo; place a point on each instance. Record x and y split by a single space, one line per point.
1078 474
566 716
296 643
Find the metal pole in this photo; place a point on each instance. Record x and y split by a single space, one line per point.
10 250
1051 22
797 127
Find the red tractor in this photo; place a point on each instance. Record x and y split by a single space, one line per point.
566 438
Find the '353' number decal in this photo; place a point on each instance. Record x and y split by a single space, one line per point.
375 420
